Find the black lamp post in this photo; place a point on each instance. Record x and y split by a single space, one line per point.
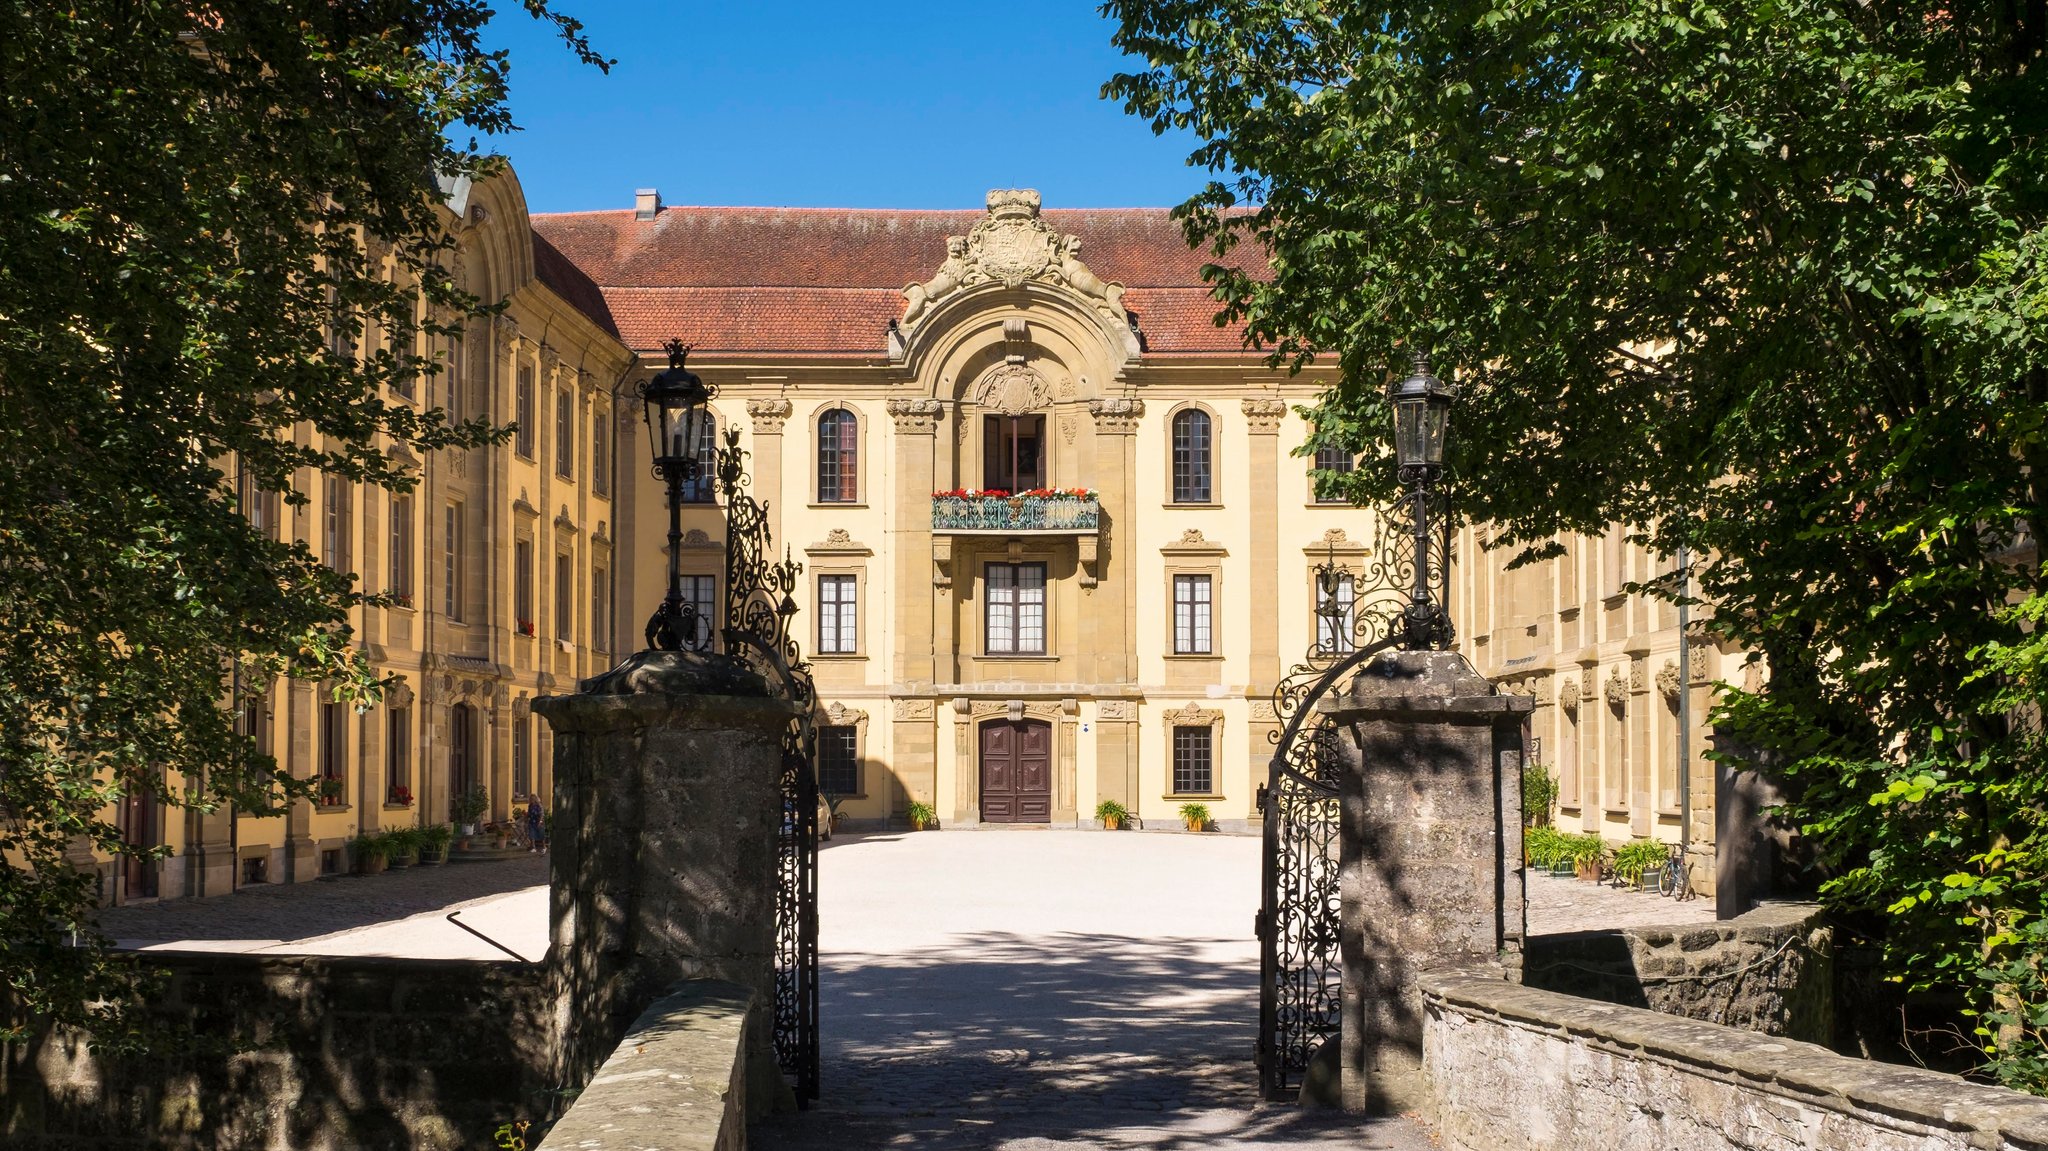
678 404
1422 419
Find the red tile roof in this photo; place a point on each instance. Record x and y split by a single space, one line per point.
820 281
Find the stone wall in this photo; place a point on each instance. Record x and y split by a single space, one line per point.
1770 971
1514 1068
336 1053
677 1082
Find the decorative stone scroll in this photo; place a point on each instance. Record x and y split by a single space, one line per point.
840 715
1569 693
1117 415
916 416
1616 689
1667 682
398 695
1113 709
1262 711
768 415
916 709
839 542
1264 414
1012 246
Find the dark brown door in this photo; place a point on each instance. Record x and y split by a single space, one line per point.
1016 772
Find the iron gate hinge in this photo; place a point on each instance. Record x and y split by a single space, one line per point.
1261 801
1259 924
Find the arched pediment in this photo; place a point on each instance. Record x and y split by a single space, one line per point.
1011 259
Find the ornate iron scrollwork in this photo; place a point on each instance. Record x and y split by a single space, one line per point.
759 607
1300 964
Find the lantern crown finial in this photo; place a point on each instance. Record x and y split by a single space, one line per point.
678 352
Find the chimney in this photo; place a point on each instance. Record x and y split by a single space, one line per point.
646 202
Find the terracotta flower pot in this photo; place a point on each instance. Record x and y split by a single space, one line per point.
1111 823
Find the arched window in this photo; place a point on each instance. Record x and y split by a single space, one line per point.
838 457
704 487
1192 457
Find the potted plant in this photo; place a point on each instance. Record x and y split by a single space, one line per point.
1634 860
401 796
1587 853
402 846
434 843
469 807
1112 814
922 815
330 791
1195 815
370 852
500 834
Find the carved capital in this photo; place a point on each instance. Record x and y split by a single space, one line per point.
942 561
1667 682
1264 414
768 415
550 359
1616 689
508 328
916 416
1116 415
1568 693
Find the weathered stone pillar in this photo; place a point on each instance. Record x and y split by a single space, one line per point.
1432 855
667 811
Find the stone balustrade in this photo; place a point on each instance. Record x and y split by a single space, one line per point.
1513 1068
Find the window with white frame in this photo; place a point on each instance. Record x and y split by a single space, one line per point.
401 549
701 592
1192 604
1016 609
1337 461
838 614
452 565
1336 615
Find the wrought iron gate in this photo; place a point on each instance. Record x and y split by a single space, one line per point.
1358 616
759 606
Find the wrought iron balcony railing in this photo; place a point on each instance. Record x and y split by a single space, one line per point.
970 515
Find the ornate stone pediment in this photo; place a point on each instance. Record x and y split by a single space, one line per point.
1012 390
1014 246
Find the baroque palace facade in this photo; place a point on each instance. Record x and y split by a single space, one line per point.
1012 659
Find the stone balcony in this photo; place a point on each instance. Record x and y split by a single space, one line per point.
1016 515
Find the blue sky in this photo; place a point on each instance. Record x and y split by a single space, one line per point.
906 105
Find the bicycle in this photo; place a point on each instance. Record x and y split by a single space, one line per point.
1674 879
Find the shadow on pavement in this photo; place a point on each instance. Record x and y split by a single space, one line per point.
1070 1040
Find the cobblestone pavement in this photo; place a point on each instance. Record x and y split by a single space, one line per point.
402 912
1032 990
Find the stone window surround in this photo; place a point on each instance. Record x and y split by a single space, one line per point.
1194 716
1351 555
1015 554
1191 554
1215 455
839 715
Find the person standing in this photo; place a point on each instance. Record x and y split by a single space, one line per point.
536 825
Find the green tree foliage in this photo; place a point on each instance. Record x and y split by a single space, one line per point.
1767 279
189 316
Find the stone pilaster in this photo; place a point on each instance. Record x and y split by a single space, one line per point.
1429 734
914 732
1263 415
1113 618
767 416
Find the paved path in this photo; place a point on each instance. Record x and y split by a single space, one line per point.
1558 905
402 912
1031 990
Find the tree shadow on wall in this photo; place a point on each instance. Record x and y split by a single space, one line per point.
998 1040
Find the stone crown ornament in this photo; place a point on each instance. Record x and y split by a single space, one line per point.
1013 246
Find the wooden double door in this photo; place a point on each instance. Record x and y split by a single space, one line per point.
1016 771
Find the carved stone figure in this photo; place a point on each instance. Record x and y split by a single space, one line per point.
1087 283
951 277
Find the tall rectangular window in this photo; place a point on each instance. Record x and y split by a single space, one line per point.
522 757
601 450
1338 462
253 720
1191 615
565 589
452 565
600 609
1013 452
565 431
522 412
1336 615
701 592
704 488
839 759
1193 761
522 586
838 615
401 549
398 755
334 512
333 753
258 505
1016 609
